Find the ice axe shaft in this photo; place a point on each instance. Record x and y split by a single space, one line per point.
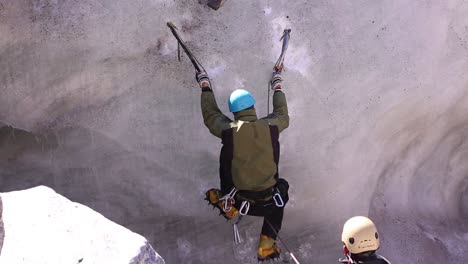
196 64
215 4
278 68
279 63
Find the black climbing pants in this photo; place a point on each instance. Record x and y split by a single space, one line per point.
271 214
261 206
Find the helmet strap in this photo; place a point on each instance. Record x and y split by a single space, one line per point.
348 255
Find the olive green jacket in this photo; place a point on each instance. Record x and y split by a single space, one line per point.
250 152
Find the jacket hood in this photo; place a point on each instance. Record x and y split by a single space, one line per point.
246 115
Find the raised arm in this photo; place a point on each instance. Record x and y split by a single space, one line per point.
213 118
279 117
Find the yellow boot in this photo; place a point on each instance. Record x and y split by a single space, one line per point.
267 248
213 196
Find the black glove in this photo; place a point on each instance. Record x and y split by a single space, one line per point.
276 81
203 79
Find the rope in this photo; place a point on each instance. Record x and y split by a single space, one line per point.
279 238
228 200
237 237
268 100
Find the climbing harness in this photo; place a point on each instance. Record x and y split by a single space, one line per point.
279 66
348 259
278 199
228 203
237 237
228 200
244 209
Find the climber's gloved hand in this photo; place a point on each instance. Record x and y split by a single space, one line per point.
203 79
276 81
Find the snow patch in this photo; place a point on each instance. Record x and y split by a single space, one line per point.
239 82
216 70
168 47
184 246
65 232
298 59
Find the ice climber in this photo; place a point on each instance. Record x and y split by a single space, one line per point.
361 241
249 160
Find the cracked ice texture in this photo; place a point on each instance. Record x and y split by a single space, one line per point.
377 91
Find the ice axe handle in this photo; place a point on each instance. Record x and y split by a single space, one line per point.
278 69
181 43
285 38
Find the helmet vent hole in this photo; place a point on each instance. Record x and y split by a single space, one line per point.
376 235
351 240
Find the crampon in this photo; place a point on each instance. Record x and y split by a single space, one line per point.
270 258
267 249
226 208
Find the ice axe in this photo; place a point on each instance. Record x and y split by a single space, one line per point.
279 65
197 65
285 38
215 4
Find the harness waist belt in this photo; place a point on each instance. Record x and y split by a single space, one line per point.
264 195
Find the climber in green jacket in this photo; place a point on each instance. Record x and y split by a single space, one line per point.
249 159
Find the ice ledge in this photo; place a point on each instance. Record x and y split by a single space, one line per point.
41 226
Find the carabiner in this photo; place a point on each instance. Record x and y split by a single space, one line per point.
228 200
237 237
246 205
227 204
278 200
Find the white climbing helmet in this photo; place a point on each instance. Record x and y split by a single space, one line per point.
360 235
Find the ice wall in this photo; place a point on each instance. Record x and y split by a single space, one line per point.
106 115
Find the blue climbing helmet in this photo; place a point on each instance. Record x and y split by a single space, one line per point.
239 100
